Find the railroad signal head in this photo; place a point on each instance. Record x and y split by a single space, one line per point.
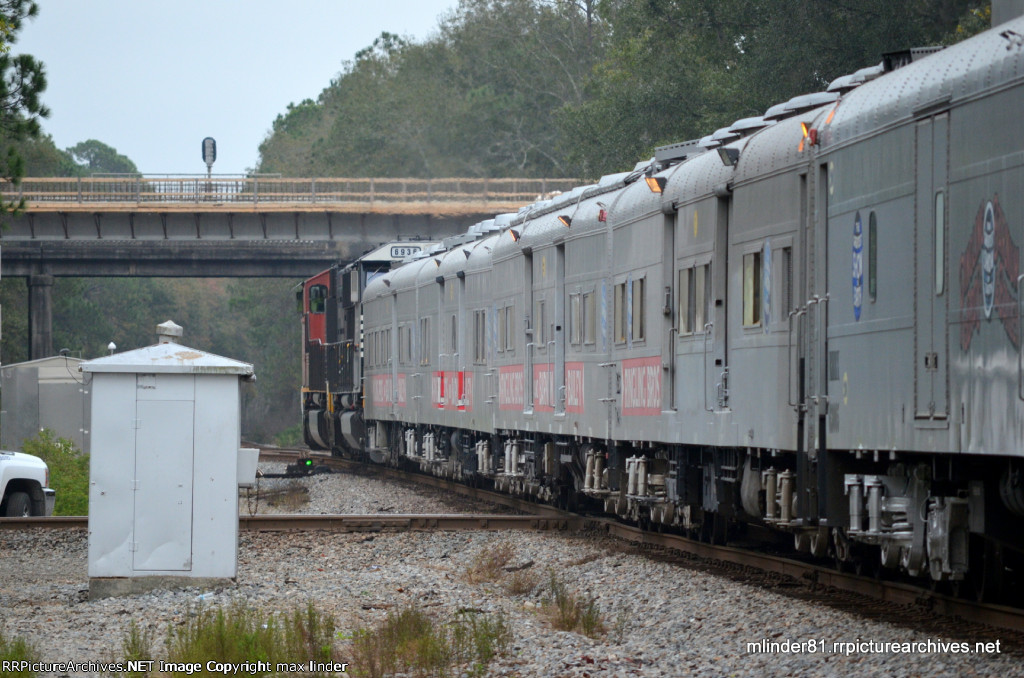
209 151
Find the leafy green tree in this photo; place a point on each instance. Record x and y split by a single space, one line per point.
267 334
476 99
679 69
96 157
22 80
43 159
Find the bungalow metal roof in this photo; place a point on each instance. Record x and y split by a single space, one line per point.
168 358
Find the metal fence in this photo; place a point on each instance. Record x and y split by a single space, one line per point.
253 190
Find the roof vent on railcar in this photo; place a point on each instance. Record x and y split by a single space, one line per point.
532 207
747 126
503 221
487 227
808 102
868 73
843 84
776 112
905 57
673 154
612 179
708 143
723 135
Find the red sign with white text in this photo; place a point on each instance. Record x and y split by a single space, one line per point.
641 386
386 391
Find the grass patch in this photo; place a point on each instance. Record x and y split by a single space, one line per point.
569 611
522 582
69 472
489 564
409 641
17 650
289 437
291 498
241 633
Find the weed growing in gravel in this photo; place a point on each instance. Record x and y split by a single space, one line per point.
409 641
137 645
405 641
240 633
569 611
522 582
477 639
489 564
18 649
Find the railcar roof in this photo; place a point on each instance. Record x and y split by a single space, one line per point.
985 62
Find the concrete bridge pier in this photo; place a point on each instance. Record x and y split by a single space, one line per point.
40 316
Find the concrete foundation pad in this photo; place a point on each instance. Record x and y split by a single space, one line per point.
111 587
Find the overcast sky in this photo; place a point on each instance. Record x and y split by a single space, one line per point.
152 78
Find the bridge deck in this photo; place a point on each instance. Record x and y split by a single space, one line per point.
266 195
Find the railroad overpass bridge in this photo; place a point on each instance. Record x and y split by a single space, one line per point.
254 226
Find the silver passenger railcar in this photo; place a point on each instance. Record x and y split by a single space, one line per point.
808 321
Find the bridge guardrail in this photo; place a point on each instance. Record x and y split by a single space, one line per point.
254 190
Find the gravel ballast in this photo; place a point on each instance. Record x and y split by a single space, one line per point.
660 619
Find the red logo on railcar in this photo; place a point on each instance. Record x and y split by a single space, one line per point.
386 391
511 383
452 390
988 275
641 386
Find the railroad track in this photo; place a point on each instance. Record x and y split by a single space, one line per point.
815 576
542 517
374 522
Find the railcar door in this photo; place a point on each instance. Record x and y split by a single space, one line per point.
670 323
716 387
559 332
931 374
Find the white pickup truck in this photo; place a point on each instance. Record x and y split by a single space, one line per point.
24 486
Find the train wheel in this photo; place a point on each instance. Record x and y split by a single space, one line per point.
714 529
842 549
986 571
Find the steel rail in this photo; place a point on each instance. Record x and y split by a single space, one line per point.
897 593
267 522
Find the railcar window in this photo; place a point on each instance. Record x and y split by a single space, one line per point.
872 257
693 283
589 318
480 336
786 292
940 242
683 293
702 283
510 325
404 344
501 330
639 318
317 298
538 326
453 336
620 313
424 341
575 319
387 346
752 289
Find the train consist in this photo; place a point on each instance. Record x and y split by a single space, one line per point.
809 322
